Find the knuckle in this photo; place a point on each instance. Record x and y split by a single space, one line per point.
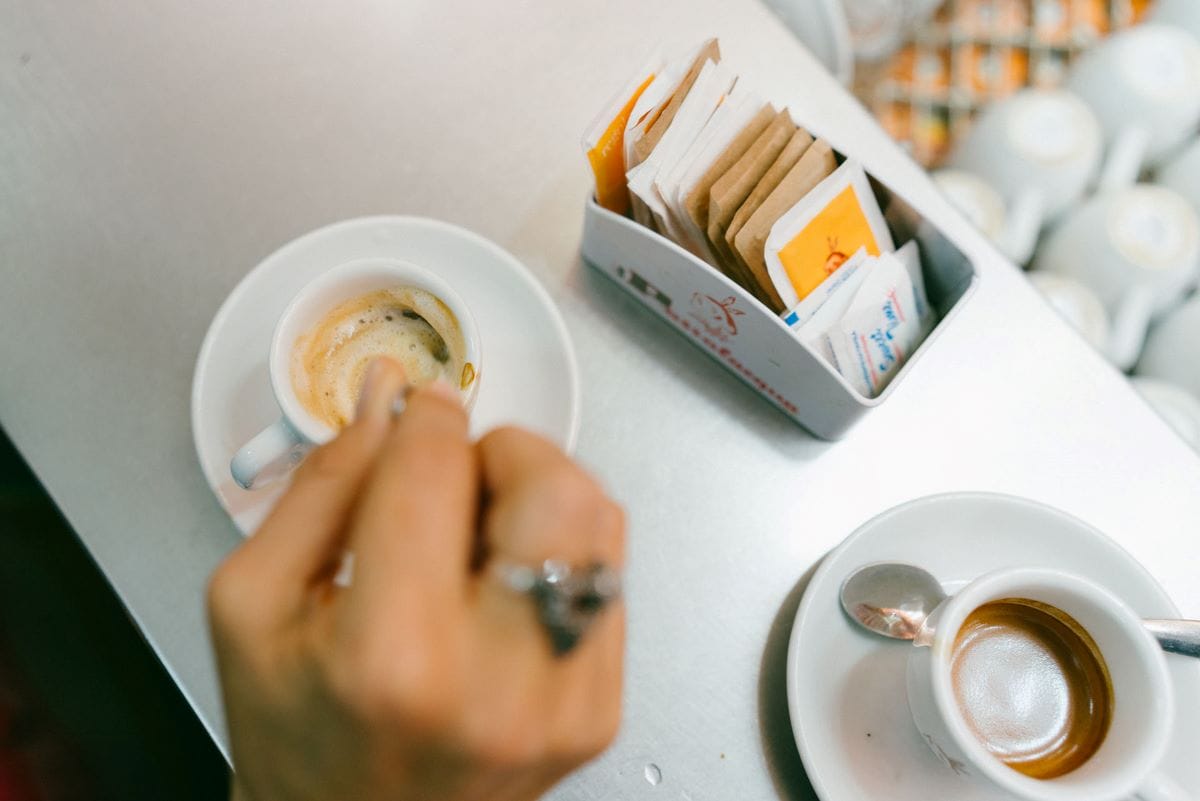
394 687
508 744
503 437
611 528
570 490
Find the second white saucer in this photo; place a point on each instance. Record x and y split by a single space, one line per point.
847 688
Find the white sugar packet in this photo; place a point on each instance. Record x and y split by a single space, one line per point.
668 181
885 323
713 83
666 82
735 113
833 296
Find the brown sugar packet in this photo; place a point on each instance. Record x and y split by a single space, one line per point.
817 163
710 51
695 202
800 141
731 189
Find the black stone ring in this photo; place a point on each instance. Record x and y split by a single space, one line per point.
568 599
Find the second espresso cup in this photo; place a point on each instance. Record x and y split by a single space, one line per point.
974 709
430 302
1141 84
1137 248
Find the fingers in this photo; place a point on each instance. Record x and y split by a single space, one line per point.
302 537
413 531
544 506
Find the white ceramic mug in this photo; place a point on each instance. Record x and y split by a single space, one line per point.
1076 304
1141 85
1039 149
983 206
1143 710
282 445
1179 408
1184 14
1137 248
1172 351
1181 171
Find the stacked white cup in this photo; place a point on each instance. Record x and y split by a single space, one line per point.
1053 176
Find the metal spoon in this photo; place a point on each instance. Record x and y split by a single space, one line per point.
893 599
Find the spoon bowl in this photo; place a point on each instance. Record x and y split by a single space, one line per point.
891 598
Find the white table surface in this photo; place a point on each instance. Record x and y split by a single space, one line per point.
151 154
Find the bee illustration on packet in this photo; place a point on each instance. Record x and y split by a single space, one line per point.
690 150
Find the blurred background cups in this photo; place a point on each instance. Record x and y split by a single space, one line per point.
1076 304
1137 248
1180 410
1142 86
979 202
1172 350
1182 13
1182 171
1039 149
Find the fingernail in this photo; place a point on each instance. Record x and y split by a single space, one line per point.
443 389
369 388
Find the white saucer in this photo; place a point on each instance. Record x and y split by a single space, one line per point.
529 375
846 688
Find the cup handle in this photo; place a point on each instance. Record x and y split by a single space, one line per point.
1129 325
265 454
1022 225
1161 788
1125 157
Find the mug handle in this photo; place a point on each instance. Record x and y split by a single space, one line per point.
1129 325
1125 157
263 455
1158 787
1022 225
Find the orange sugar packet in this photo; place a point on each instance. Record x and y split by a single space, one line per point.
604 141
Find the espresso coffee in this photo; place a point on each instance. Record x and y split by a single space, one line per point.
1032 686
410 325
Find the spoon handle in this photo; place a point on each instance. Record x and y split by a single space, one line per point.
1177 636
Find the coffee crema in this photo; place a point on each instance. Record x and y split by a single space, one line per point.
1032 686
410 325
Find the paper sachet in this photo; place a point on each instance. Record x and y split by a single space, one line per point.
604 141
655 109
816 236
713 83
734 112
885 323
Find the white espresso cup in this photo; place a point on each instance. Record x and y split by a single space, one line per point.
283 444
982 205
1137 248
1143 703
1181 171
1184 14
1172 351
1179 408
1076 304
1040 149
1141 84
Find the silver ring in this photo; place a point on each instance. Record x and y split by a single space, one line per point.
568 599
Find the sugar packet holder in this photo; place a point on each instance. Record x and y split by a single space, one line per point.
746 337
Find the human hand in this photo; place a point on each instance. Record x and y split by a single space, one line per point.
426 678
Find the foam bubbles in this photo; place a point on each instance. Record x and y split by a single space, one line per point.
407 324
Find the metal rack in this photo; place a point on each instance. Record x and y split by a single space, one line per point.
926 94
